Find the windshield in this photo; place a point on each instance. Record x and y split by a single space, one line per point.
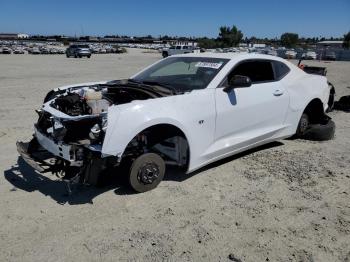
183 73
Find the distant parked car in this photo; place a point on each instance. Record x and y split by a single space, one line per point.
290 54
34 51
44 51
95 50
272 52
60 51
309 55
179 49
18 51
78 51
53 51
330 56
6 50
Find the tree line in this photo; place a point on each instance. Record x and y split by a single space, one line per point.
227 37
231 37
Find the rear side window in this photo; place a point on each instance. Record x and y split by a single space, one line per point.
257 71
281 69
178 47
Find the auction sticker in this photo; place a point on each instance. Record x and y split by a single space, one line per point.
209 65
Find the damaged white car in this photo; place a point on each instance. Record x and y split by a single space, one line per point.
186 110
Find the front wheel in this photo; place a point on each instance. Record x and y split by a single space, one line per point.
146 172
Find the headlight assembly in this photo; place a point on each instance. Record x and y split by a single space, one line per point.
98 129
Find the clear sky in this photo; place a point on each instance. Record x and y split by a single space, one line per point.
268 18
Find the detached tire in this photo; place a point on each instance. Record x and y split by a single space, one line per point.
146 172
343 104
320 132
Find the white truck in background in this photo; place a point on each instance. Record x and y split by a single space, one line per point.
179 49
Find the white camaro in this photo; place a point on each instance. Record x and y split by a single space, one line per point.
186 110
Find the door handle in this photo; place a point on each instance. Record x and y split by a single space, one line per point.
278 92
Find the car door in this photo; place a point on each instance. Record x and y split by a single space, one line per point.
185 49
246 116
178 50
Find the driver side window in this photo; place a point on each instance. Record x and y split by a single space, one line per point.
258 71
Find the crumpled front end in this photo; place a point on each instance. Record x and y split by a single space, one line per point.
70 132
69 135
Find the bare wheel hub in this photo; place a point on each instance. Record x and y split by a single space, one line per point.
148 173
303 124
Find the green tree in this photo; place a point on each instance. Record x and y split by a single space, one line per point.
289 39
230 36
207 42
346 42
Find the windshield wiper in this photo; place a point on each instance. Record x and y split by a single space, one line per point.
158 86
165 85
134 81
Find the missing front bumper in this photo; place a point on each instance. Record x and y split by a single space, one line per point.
58 149
39 160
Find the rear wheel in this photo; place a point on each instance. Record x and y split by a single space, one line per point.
323 130
331 97
303 125
320 132
146 172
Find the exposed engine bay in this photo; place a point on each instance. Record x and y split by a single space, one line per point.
94 100
86 110
71 136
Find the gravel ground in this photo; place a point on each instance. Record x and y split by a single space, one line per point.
287 201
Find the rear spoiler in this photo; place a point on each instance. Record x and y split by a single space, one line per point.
315 70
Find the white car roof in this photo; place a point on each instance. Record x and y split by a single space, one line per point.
236 57
232 56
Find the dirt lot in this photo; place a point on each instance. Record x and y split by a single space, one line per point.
288 201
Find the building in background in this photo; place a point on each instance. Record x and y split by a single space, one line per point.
329 44
10 36
22 36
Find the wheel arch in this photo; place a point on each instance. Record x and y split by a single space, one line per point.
118 148
159 132
315 110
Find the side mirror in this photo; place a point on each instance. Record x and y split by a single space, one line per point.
238 81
